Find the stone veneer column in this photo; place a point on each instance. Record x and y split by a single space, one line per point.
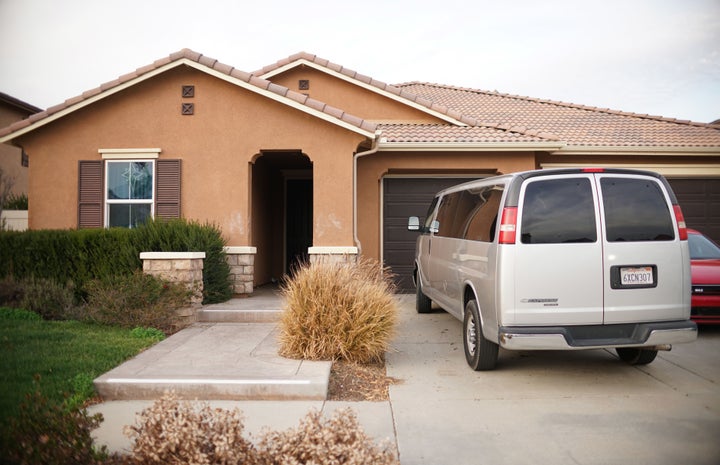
242 268
333 254
179 267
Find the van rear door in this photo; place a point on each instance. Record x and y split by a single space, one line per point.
644 259
558 275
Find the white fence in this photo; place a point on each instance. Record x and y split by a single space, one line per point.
15 220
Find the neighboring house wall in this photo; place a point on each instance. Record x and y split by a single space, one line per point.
12 110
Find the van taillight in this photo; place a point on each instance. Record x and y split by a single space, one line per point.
680 219
593 170
508 224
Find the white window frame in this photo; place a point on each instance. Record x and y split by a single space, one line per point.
108 202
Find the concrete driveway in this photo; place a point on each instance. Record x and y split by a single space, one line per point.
579 407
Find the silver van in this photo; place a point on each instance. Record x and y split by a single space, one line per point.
558 259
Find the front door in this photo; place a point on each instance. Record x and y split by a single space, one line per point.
298 221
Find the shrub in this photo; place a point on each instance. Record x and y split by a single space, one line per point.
174 432
50 433
135 300
16 202
47 298
10 292
89 254
322 441
338 311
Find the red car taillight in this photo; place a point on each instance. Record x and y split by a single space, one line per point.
680 219
508 225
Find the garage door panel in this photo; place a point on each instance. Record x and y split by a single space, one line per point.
699 199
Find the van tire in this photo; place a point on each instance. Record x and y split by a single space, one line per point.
422 303
480 353
636 355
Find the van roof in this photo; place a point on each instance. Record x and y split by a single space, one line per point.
514 192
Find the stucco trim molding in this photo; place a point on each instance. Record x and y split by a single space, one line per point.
333 250
115 154
171 255
637 150
240 250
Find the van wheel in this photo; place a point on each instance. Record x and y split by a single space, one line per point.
422 303
480 353
635 355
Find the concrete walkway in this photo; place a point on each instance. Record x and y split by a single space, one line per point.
580 407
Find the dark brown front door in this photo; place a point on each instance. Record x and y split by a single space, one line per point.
298 221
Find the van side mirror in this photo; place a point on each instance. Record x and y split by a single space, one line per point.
413 223
435 226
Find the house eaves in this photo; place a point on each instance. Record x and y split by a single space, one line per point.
386 90
468 146
204 64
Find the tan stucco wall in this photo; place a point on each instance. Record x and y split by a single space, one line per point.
230 126
351 98
373 168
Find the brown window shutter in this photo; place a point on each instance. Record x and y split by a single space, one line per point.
90 194
167 189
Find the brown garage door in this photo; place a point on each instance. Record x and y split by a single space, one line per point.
404 197
700 203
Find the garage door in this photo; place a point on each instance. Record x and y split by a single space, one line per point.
700 203
404 197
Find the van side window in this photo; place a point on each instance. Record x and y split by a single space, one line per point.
447 213
558 211
482 221
636 210
429 217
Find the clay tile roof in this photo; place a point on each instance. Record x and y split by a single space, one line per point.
212 63
444 133
577 125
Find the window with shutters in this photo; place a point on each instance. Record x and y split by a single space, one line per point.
129 192
125 192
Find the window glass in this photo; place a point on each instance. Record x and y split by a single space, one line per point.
481 223
129 193
558 211
636 210
429 218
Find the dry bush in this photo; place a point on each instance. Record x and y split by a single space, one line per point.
338 311
322 441
174 432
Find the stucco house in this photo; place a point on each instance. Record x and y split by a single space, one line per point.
308 158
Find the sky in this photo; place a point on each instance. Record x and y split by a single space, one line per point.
657 57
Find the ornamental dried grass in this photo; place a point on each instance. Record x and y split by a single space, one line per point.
174 432
338 311
325 441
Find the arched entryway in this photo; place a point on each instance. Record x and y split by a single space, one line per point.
281 212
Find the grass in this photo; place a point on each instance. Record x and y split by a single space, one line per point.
64 355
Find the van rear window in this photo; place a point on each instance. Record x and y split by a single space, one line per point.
558 211
636 210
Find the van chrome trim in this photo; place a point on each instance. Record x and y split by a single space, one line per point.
597 336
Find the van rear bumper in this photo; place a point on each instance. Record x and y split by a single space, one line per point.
596 336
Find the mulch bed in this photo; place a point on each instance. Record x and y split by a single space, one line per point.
356 382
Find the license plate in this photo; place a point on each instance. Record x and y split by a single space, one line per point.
641 276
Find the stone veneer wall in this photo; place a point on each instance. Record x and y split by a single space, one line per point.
179 267
242 268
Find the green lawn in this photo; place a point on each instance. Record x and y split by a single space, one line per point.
66 355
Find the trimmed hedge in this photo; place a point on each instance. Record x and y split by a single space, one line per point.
78 256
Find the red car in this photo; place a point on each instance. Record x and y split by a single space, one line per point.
705 264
